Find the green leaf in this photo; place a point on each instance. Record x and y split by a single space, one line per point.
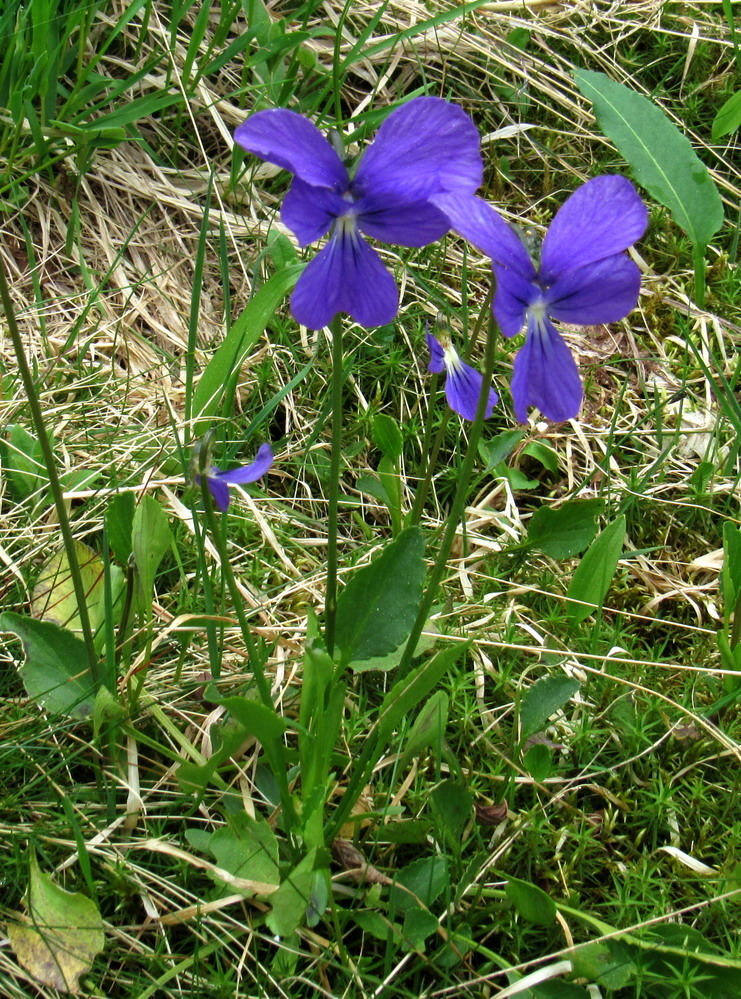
419 884
494 452
542 700
375 924
531 902
597 963
593 575
408 692
372 486
429 727
565 531
54 673
61 936
247 848
377 608
419 924
289 903
730 577
453 806
150 539
391 481
544 454
119 520
258 720
393 658
23 462
239 341
54 599
728 118
387 436
661 158
538 762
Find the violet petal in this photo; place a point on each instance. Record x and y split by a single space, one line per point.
293 142
220 493
437 356
346 276
475 220
601 218
425 147
247 473
310 211
513 296
403 223
602 292
545 375
463 388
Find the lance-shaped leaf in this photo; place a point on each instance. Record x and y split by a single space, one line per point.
661 157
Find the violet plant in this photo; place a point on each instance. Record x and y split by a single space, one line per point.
425 148
584 276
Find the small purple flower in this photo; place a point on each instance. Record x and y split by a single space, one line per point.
424 148
462 382
584 277
218 482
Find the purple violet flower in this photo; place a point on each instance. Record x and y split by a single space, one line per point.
424 148
218 482
584 277
462 382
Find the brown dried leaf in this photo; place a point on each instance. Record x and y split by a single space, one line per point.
353 861
491 815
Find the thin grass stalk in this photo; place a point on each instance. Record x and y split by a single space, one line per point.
54 483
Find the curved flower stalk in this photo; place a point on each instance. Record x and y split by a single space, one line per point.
462 382
584 276
426 147
218 482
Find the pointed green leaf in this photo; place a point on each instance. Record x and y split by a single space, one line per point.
593 576
419 884
728 119
387 436
150 539
377 608
531 902
661 157
55 673
290 902
730 577
565 531
542 700
239 341
410 691
429 727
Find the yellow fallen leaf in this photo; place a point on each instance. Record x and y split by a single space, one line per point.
58 940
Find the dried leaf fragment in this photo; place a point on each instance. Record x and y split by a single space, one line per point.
59 939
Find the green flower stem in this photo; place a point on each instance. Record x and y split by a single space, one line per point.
456 510
276 750
330 602
429 452
237 599
371 751
54 483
